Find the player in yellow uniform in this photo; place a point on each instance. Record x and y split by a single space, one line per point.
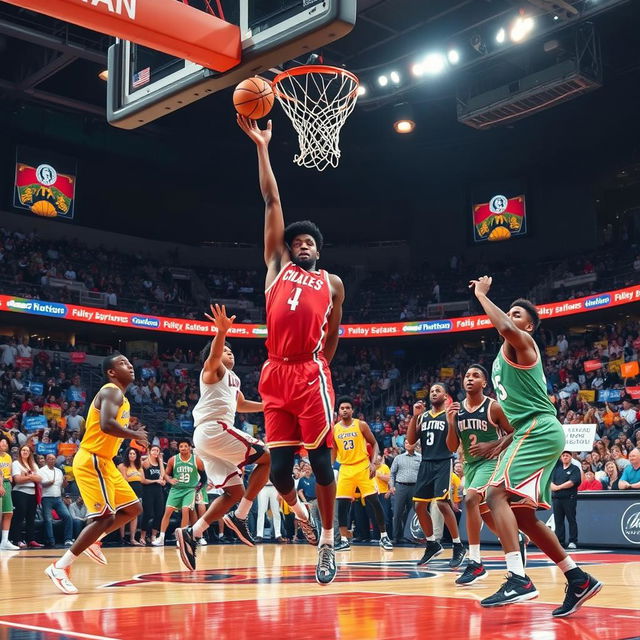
5 494
110 500
357 471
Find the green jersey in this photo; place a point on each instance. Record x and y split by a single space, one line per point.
476 426
521 391
186 473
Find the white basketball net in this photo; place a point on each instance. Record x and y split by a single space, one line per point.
318 104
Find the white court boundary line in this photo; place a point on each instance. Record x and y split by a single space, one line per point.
75 634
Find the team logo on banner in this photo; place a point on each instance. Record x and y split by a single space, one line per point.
499 219
630 523
44 185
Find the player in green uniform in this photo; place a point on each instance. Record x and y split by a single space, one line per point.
522 477
479 423
185 473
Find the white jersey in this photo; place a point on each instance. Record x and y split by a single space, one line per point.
218 401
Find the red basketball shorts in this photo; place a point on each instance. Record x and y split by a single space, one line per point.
298 402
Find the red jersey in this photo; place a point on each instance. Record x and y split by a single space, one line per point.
298 306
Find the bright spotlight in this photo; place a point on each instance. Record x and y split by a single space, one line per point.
417 69
453 56
434 64
104 75
501 36
362 90
404 126
383 81
521 28
395 77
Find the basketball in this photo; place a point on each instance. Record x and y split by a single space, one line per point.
44 208
253 98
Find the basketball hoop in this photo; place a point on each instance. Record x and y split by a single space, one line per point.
318 99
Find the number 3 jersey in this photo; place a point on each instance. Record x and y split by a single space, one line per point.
432 431
298 306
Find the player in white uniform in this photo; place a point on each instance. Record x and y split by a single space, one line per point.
223 449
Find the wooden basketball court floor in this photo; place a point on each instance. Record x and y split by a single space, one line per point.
270 592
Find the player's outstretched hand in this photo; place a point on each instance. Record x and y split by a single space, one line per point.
418 408
142 438
481 286
219 318
452 410
251 128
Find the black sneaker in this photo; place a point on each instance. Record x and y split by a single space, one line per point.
432 550
523 541
515 589
240 527
385 543
473 572
342 545
326 568
577 592
459 554
309 530
187 547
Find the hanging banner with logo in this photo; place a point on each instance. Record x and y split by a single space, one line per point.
502 218
45 183
609 395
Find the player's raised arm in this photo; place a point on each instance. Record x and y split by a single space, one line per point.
520 340
213 369
418 410
331 344
275 250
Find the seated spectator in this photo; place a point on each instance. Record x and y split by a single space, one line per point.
630 478
590 483
618 457
612 477
629 412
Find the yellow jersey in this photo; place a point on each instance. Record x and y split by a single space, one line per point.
382 485
94 439
351 447
5 466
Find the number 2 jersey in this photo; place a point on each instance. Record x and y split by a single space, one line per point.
432 431
476 426
298 305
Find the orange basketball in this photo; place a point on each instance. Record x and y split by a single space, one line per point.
253 98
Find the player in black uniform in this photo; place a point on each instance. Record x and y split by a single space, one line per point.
434 476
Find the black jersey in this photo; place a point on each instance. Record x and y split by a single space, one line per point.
432 431
152 472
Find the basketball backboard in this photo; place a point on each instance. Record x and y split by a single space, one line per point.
145 84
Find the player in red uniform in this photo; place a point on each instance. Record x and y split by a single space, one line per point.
304 309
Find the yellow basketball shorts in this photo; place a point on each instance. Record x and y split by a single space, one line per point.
355 476
101 485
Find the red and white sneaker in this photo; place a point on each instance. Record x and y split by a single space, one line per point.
94 551
61 578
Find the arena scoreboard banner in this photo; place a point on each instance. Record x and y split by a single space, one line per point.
502 218
45 183
114 318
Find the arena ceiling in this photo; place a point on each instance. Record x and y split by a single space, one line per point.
50 94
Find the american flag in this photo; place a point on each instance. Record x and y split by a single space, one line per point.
141 78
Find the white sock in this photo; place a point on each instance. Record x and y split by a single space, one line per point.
160 536
242 510
300 510
567 564
431 538
200 527
474 553
456 541
326 537
5 536
344 539
514 563
384 534
66 561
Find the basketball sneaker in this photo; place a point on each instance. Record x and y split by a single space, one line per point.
187 547
343 545
459 554
202 541
577 592
326 568
240 527
514 589
309 529
94 551
61 578
432 550
8 546
385 543
473 572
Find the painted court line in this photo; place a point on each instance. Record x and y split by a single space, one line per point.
74 634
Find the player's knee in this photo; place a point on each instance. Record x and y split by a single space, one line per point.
260 455
372 499
420 507
471 500
495 496
235 492
320 460
281 470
